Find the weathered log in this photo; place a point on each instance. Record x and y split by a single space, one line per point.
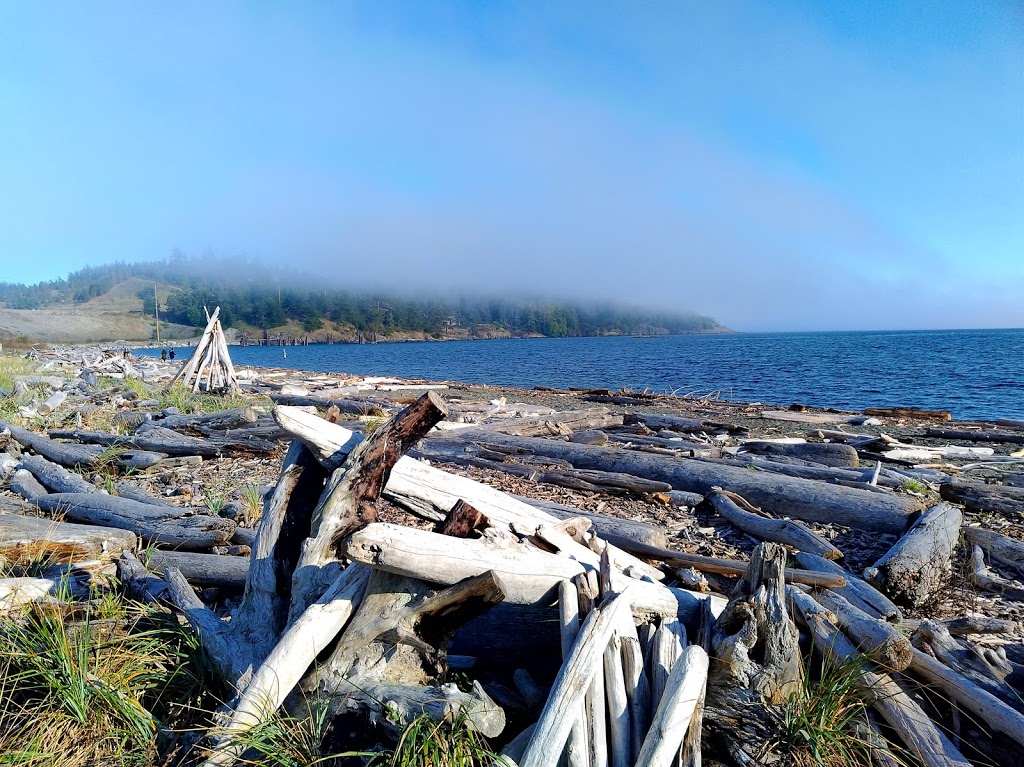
909 412
431 492
917 731
977 496
666 647
25 540
24 484
287 513
602 481
282 669
128 490
857 592
556 423
619 738
51 403
352 407
576 752
159 525
983 435
58 452
603 525
1005 552
825 579
222 420
969 661
804 470
989 713
530 575
55 477
138 582
160 440
677 713
638 688
916 566
685 425
758 664
984 579
787 531
203 570
572 683
803 499
395 643
825 453
348 501
879 640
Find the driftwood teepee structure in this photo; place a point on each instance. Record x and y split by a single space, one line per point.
209 360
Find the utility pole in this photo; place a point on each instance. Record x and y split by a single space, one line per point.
156 312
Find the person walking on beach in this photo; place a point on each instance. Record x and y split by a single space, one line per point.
163 355
172 354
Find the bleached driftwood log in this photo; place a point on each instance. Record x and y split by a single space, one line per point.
787 531
977 496
758 661
984 579
885 644
573 681
677 713
1004 552
920 560
856 591
988 712
918 732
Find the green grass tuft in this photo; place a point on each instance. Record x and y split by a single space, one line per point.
448 743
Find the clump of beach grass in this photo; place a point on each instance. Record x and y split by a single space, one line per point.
446 743
95 686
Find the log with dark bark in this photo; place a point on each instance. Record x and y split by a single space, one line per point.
977 496
981 435
348 502
909 412
462 521
758 662
825 453
787 531
161 525
789 496
916 566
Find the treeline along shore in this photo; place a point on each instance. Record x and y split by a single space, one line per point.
532 576
256 299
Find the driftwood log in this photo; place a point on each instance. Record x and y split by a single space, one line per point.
162 525
775 493
27 539
792 533
977 496
758 662
856 591
825 453
918 732
916 566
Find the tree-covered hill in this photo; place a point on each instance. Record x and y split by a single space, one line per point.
252 295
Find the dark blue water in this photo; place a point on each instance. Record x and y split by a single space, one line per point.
973 373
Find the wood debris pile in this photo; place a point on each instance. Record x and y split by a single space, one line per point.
584 637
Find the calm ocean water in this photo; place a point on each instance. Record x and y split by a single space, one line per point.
973 373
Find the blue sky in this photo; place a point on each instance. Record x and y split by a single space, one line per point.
784 165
